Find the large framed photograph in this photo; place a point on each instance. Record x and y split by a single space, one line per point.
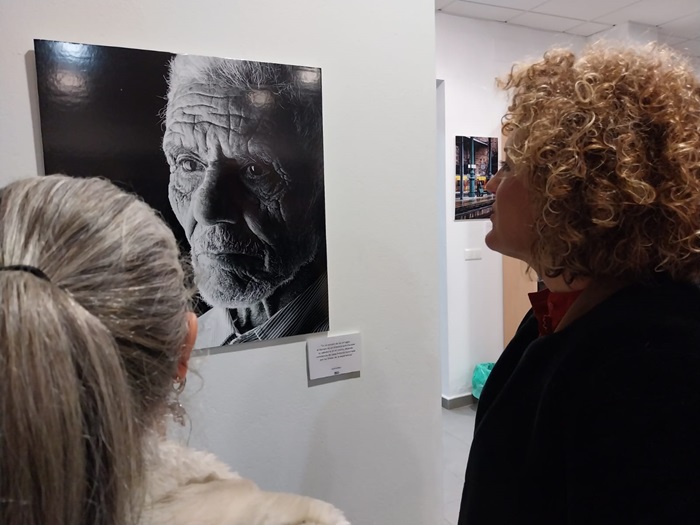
230 152
476 161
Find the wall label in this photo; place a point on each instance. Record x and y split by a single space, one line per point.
333 356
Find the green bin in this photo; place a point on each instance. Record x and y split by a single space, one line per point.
481 374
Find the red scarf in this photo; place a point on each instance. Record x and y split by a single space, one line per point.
550 307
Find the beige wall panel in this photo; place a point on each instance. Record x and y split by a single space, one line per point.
517 283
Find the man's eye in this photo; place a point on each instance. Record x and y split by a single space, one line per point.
256 170
189 164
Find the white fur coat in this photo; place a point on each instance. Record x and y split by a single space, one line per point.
188 487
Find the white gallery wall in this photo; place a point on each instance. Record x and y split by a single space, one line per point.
370 445
470 55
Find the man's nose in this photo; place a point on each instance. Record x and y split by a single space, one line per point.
213 200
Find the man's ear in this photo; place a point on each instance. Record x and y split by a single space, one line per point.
187 346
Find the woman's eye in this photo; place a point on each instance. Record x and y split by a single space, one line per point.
189 165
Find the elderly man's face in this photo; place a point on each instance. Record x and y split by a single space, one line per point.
243 189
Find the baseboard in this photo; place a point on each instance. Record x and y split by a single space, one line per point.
459 401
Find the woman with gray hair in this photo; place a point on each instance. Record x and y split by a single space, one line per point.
95 333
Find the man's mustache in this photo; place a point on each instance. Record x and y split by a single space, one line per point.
219 240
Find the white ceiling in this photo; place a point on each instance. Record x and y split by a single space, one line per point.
677 21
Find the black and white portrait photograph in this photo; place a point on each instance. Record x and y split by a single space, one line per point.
230 152
476 161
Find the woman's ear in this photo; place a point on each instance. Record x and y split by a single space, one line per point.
187 346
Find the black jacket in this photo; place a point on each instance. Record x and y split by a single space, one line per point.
598 423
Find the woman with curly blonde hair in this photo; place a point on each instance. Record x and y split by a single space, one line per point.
592 413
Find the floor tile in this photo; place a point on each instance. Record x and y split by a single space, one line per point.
457 432
455 453
451 512
459 422
452 486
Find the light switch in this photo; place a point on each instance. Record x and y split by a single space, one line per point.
472 254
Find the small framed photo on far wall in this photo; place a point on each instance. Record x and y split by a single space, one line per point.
476 161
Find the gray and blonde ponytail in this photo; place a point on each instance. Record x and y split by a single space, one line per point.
87 358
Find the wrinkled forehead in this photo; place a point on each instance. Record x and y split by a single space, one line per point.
236 109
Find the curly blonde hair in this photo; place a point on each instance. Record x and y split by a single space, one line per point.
610 153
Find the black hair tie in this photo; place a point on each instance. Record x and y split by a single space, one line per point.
25 268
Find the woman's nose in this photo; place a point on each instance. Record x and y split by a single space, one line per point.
493 183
